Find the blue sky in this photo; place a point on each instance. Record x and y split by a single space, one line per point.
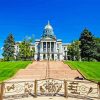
68 18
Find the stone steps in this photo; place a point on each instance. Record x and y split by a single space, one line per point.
37 70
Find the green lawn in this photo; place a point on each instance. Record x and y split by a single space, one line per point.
90 70
8 69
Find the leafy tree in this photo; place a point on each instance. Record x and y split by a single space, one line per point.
97 41
25 51
8 48
74 51
87 45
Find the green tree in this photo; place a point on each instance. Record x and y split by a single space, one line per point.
8 48
74 51
87 45
26 52
97 41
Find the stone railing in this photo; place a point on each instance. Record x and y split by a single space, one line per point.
50 87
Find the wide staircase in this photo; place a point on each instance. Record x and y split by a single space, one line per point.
38 70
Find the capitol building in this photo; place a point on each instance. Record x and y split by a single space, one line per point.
48 46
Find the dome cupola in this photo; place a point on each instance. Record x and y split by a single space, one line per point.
48 26
48 31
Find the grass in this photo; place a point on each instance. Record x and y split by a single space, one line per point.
8 69
90 70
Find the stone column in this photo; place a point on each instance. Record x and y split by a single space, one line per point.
55 50
54 46
50 51
46 47
42 46
50 47
41 51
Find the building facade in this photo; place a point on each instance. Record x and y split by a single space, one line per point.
49 46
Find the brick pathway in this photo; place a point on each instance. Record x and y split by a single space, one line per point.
37 70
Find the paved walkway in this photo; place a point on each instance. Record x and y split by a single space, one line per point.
37 71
